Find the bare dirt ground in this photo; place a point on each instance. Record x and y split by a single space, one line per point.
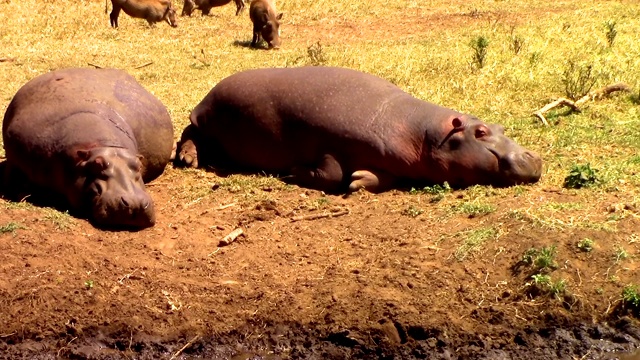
395 277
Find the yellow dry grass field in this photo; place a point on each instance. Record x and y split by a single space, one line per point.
543 271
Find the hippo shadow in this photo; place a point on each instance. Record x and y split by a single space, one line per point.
247 44
44 198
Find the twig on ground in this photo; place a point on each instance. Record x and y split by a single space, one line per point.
7 59
7 335
231 237
222 207
175 356
319 216
144 65
95 66
575 105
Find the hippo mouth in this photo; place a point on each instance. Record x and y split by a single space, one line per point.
517 167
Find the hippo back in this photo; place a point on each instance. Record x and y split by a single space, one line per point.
38 125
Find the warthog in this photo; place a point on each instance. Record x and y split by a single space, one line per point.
206 5
151 10
266 23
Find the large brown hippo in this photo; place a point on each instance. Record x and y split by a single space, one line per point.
266 24
94 136
151 10
206 5
331 127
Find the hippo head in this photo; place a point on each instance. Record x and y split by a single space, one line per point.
171 16
271 30
113 188
473 152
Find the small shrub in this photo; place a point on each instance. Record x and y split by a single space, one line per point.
542 259
10 227
88 284
581 176
578 79
517 42
412 211
585 245
474 209
534 58
479 46
558 288
545 258
621 254
316 54
631 295
541 280
611 32
438 191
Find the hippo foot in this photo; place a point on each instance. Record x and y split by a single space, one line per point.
364 179
188 154
326 177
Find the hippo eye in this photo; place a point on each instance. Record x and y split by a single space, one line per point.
480 132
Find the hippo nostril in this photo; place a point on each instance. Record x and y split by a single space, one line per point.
124 202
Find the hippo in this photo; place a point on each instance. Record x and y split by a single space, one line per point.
151 10
206 5
266 24
91 136
336 129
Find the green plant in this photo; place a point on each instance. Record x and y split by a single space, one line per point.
558 288
412 211
621 254
631 295
438 191
542 259
479 46
611 32
10 227
585 245
88 284
474 209
473 241
581 176
578 79
541 280
316 54
545 259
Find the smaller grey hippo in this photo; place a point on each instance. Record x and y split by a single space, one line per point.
94 136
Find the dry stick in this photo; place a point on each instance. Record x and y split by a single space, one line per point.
175 356
575 106
7 59
143 65
95 66
319 216
231 237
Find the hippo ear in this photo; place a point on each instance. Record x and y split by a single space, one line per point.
279 17
265 19
456 122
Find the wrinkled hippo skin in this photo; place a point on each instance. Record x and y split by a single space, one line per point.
337 129
94 136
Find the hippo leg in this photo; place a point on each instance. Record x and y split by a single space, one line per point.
14 183
113 16
364 179
239 6
189 5
256 36
188 145
327 176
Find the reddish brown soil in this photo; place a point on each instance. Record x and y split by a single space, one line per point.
370 284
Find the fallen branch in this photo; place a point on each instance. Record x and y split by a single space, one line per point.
319 216
175 356
222 207
95 66
575 105
143 65
7 59
231 237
